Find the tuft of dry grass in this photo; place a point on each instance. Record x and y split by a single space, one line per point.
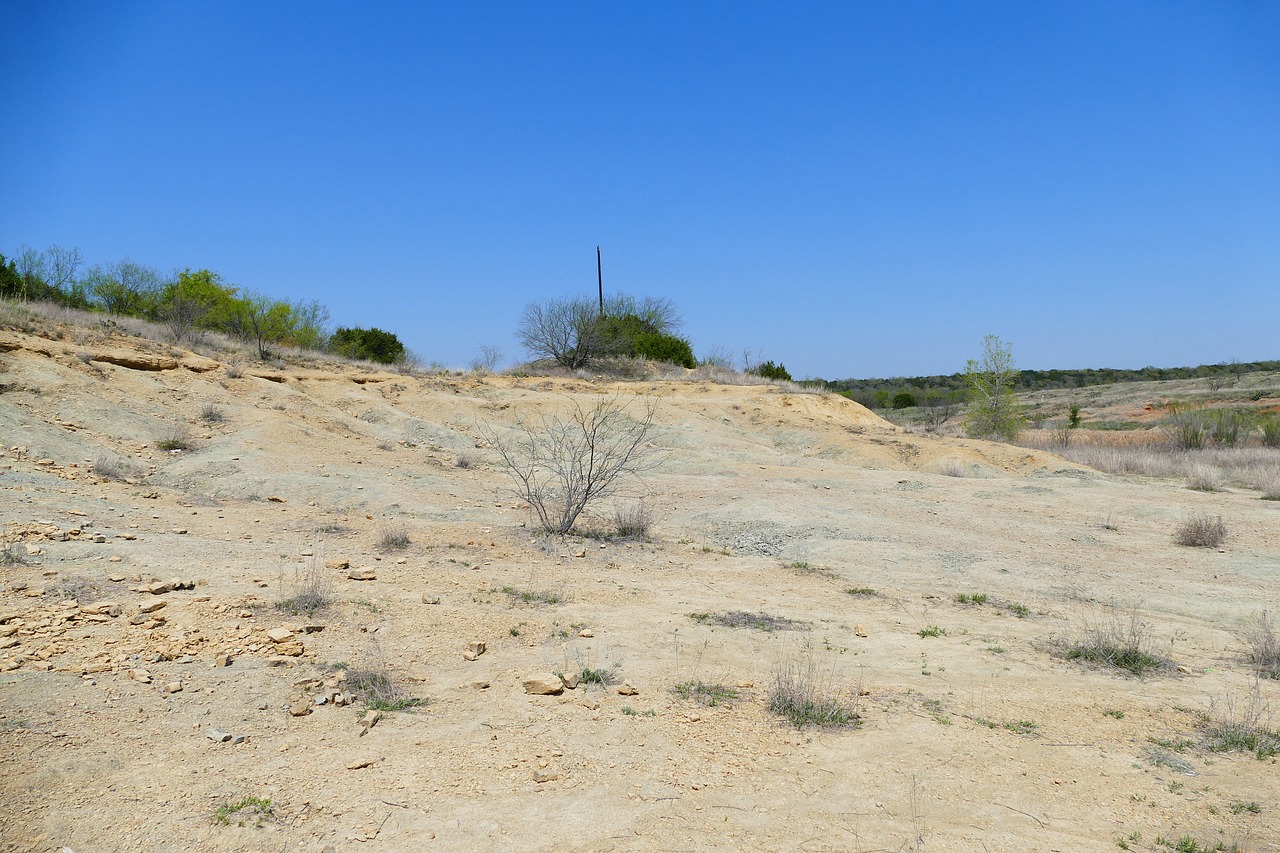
113 469
1264 646
309 593
211 414
804 696
1116 639
1204 478
1201 531
742 619
633 522
1242 725
176 437
394 539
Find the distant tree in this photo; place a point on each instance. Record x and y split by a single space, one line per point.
369 344
574 332
903 400
769 370
10 281
266 320
196 301
993 409
125 288
310 325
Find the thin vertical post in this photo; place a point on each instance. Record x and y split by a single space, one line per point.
600 280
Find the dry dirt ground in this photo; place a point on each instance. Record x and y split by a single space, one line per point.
980 737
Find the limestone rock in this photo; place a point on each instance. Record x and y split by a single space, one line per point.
543 684
300 708
625 689
337 564
362 575
279 635
542 775
368 721
475 648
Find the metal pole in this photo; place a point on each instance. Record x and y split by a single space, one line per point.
600 280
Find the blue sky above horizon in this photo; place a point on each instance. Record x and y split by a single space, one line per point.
852 189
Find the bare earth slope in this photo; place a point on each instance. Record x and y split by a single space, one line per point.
979 735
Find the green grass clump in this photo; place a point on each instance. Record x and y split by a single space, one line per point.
932 631
971 598
247 810
377 691
860 591
522 596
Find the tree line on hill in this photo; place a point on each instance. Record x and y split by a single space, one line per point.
906 392
187 303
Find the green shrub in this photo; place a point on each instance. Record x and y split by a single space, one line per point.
769 370
904 400
657 346
369 344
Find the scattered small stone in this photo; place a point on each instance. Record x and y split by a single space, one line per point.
140 675
430 599
173 687
218 736
362 575
859 631
625 689
239 739
571 680
279 635
361 764
223 659
475 648
745 685
300 708
368 721
276 499
337 564
543 684
478 684
541 775
151 606
586 633
99 538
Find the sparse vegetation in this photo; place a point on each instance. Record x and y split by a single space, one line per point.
598 675
804 696
394 538
562 465
994 411
309 593
465 460
523 596
932 631
13 554
861 591
1242 725
743 619
1120 640
210 413
971 598
703 693
72 588
174 439
246 811
1263 646
1201 531
113 469
633 522
373 686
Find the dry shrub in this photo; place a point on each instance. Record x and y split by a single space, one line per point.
1242 725
1121 640
176 437
309 593
1204 478
1201 531
806 696
1264 646
394 539
113 469
634 521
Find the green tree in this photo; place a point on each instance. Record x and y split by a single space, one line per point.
993 409
369 344
575 332
197 301
10 281
769 370
903 400
125 288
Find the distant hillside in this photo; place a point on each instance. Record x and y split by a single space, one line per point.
934 390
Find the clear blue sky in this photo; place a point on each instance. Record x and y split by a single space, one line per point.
852 188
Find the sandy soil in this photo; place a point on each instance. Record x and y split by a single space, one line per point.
984 737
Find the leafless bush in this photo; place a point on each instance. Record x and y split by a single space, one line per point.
561 465
1201 531
954 468
235 370
1264 646
73 587
211 414
13 554
465 460
1242 725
